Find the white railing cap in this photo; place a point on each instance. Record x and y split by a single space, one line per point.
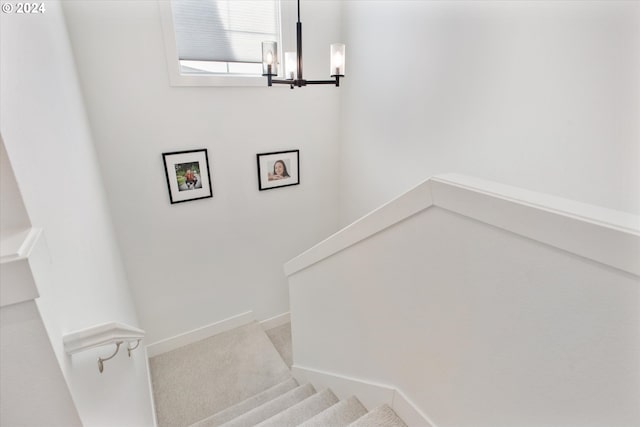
100 335
603 235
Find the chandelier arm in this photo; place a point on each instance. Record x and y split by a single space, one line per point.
284 82
324 82
321 82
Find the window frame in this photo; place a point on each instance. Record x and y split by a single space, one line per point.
176 78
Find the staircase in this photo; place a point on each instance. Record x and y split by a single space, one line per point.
285 403
290 404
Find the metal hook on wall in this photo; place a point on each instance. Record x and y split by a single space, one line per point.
130 349
101 360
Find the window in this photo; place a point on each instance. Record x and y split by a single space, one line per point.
218 42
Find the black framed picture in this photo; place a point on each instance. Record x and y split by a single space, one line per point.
188 175
278 169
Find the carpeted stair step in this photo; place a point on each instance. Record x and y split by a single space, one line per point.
341 414
302 411
382 416
247 405
273 407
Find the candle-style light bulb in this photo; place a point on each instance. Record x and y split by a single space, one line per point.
269 58
337 60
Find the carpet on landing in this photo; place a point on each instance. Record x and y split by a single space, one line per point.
195 381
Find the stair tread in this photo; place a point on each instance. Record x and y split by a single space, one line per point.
302 411
272 407
382 416
341 414
245 406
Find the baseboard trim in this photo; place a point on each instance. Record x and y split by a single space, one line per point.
276 321
371 394
409 412
151 396
198 334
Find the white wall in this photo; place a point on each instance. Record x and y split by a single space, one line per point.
32 387
476 325
48 141
541 95
34 392
195 263
13 214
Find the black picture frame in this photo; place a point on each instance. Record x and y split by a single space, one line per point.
188 175
286 161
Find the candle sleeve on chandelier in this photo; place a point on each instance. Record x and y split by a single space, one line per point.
337 60
269 58
290 63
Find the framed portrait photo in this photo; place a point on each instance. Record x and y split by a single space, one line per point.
278 169
188 175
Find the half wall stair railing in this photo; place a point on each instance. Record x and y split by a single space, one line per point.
443 287
110 333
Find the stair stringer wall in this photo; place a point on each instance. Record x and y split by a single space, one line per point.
485 309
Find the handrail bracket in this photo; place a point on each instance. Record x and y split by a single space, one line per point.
101 360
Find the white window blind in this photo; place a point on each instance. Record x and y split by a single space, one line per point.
224 30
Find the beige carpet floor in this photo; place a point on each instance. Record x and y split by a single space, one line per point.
197 380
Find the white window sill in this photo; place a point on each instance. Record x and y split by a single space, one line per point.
177 79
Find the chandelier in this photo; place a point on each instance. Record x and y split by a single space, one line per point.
293 62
